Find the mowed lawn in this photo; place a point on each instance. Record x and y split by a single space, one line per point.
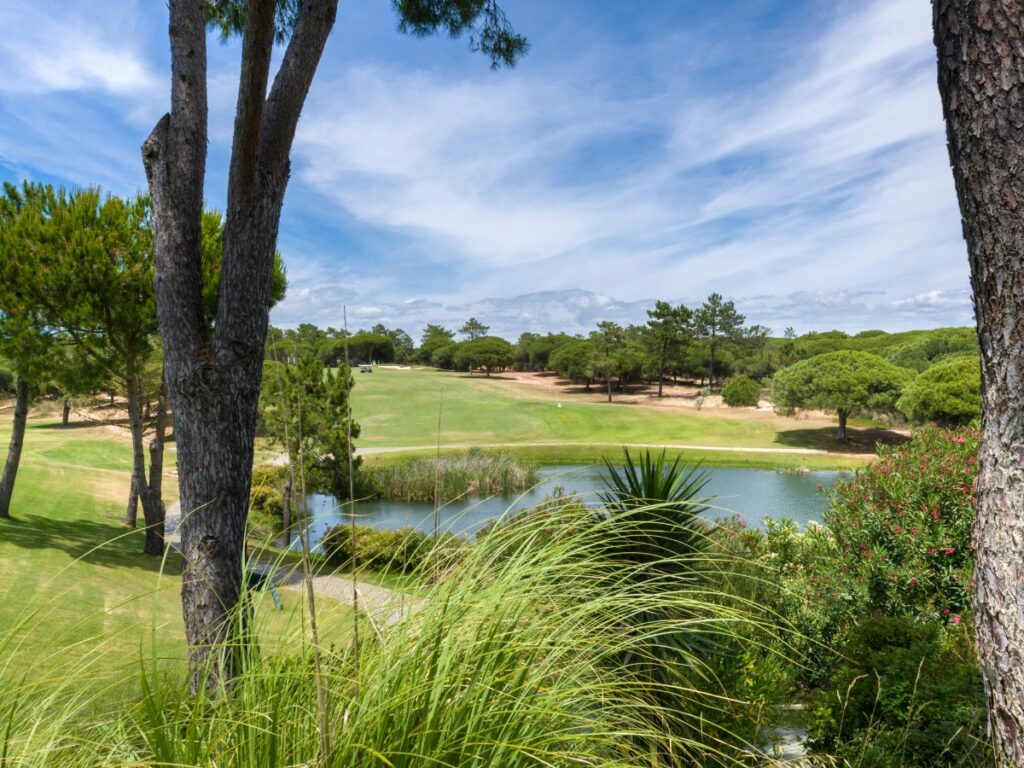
72 576
400 408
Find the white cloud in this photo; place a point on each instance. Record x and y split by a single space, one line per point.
831 175
72 47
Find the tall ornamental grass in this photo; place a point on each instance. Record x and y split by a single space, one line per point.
450 477
512 658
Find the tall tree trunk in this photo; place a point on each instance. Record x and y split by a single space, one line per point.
286 511
66 413
151 510
981 80
841 434
608 382
21 395
213 377
156 471
711 366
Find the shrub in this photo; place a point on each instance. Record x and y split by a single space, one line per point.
401 551
265 493
908 695
741 391
903 527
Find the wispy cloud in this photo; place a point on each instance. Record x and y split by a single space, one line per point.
829 175
61 46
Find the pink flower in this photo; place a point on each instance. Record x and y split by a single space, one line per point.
931 550
946 612
898 529
913 580
956 618
950 550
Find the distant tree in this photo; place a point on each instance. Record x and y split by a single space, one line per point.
716 321
789 333
948 393
606 343
474 329
25 341
371 348
400 341
306 408
668 329
574 360
434 337
844 382
488 352
443 355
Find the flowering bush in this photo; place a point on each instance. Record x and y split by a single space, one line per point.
903 527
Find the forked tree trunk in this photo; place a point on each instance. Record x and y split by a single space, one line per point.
213 377
980 48
66 413
21 395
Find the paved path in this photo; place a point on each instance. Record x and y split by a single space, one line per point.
384 606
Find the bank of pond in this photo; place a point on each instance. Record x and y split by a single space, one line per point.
748 494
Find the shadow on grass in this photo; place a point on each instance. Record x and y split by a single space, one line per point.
859 440
93 542
56 426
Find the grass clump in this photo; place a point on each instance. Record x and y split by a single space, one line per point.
450 477
513 658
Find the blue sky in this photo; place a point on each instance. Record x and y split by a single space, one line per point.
789 154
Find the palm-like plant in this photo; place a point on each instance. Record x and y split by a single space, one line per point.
663 505
654 507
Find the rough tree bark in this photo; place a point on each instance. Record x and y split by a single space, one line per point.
213 378
980 45
131 515
66 413
21 398
841 433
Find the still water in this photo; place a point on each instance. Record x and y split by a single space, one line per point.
752 494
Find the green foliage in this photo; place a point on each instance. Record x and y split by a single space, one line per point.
843 382
443 355
483 20
366 347
929 348
948 393
305 408
450 477
905 695
903 528
741 391
265 495
405 550
574 360
491 353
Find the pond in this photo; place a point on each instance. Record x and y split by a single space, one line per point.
752 494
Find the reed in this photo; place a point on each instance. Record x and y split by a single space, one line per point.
450 477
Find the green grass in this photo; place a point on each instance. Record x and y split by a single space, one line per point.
399 408
74 576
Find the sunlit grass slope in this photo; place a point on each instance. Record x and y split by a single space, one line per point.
74 577
400 408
